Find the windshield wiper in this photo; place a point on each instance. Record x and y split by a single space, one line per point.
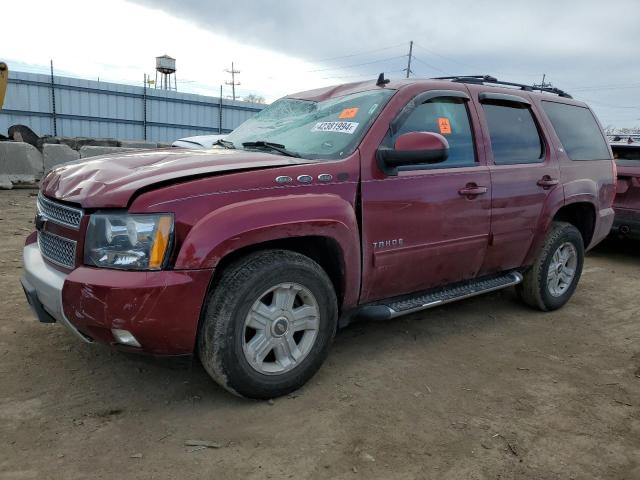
277 147
224 143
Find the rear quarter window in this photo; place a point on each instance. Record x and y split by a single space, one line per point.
578 131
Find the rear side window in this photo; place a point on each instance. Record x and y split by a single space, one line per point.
514 134
578 131
449 117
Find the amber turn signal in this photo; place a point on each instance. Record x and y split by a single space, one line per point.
160 242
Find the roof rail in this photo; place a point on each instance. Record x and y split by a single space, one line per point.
484 79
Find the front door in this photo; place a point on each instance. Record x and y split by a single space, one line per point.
429 224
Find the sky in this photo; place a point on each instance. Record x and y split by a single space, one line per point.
588 48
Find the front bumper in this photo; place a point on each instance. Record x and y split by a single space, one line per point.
42 285
161 309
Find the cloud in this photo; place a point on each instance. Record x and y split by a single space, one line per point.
324 29
578 43
287 46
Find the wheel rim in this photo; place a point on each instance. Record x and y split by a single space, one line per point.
280 328
562 269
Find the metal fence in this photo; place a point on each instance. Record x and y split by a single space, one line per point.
74 107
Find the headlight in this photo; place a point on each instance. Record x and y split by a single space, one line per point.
128 242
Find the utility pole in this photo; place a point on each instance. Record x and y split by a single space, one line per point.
408 69
543 84
220 112
233 82
144 106
53 103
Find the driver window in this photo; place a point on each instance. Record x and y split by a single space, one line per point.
449 117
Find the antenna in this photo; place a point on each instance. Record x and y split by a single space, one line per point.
382 81
233 82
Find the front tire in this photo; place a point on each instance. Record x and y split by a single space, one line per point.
268 324
554 276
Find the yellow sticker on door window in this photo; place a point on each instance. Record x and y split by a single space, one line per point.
444 125
349 112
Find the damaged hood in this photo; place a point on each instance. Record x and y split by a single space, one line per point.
109 181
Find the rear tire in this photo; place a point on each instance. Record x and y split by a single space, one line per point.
268 324
551 281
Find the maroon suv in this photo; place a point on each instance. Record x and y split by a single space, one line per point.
627 202
366 200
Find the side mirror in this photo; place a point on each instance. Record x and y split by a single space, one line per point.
413 148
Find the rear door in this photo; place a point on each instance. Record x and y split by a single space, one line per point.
586 165
428 225
524 171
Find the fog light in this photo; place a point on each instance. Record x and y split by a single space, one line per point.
125 337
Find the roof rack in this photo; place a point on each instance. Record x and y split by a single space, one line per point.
484 79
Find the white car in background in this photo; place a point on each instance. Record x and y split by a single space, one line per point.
199 141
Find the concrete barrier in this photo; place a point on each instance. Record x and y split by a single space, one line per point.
5 182
55 155
76 143
19 163
91 151
137 144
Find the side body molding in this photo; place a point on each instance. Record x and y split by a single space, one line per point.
259 220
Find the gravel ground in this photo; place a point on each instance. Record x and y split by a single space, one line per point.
485 388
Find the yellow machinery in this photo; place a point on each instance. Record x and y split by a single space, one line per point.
4 77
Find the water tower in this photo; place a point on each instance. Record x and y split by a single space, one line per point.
166 67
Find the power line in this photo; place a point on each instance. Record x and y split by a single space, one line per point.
429 65
466 65
474 67
359 53
356 64
608 105
364 75
605 87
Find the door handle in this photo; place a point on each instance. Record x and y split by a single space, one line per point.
472 190
547 182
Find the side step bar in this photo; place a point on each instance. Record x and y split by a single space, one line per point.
407 304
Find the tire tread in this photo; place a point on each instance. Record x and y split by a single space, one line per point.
214 338
532 289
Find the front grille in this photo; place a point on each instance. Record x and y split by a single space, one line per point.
59 213
58 250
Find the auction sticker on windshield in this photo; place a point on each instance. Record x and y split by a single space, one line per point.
348 113
339 127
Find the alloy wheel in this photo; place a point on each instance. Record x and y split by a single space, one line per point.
562 269
281 328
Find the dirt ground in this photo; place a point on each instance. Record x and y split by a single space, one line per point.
485 388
